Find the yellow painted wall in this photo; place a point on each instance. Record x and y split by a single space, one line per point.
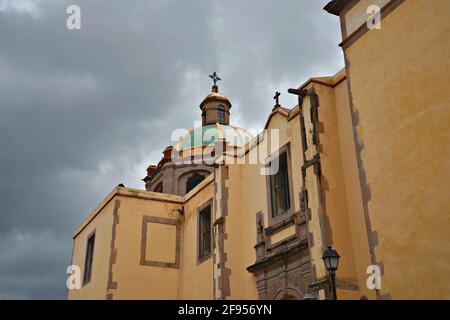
246 188
317 245
196 279
136 281
400 86
350 179
332 181
96 288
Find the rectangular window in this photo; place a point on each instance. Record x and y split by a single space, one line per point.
279 187
88 258
204 243
221 115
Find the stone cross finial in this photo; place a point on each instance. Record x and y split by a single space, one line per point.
214 78
277 99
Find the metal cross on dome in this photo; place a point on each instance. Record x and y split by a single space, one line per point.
214 77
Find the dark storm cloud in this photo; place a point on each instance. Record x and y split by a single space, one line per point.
81 111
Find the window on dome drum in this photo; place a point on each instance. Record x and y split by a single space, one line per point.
221 114
279 187
203 117
204 233
193 181
88 259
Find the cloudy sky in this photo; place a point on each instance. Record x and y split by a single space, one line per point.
84 110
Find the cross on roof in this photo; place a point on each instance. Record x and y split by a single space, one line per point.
214 77
277 98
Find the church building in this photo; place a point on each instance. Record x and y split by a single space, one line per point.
360 165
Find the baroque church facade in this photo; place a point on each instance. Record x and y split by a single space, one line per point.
361 163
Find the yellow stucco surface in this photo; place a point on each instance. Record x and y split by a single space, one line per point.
401 101
350 181
102 225
401 94
195 278
160 242
136 281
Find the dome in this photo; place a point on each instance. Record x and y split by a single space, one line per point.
206 135
215 96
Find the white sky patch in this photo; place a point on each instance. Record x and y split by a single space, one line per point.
21 6
19 236
106 167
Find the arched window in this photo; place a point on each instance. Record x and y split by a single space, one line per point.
221 114
193 181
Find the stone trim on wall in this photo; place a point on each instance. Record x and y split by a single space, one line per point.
286 273
364 186
341 283
260 246
282 243
111 284
287 222
221 282
314 162
224 276
366 194
161 220
282 269
347 284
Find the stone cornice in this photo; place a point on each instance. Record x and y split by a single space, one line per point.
335 6
281 254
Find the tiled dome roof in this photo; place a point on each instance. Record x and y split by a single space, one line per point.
206 135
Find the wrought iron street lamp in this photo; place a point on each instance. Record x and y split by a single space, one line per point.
331 260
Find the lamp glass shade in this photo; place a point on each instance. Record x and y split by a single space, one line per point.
331 259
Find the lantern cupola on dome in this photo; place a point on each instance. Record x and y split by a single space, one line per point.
215 106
